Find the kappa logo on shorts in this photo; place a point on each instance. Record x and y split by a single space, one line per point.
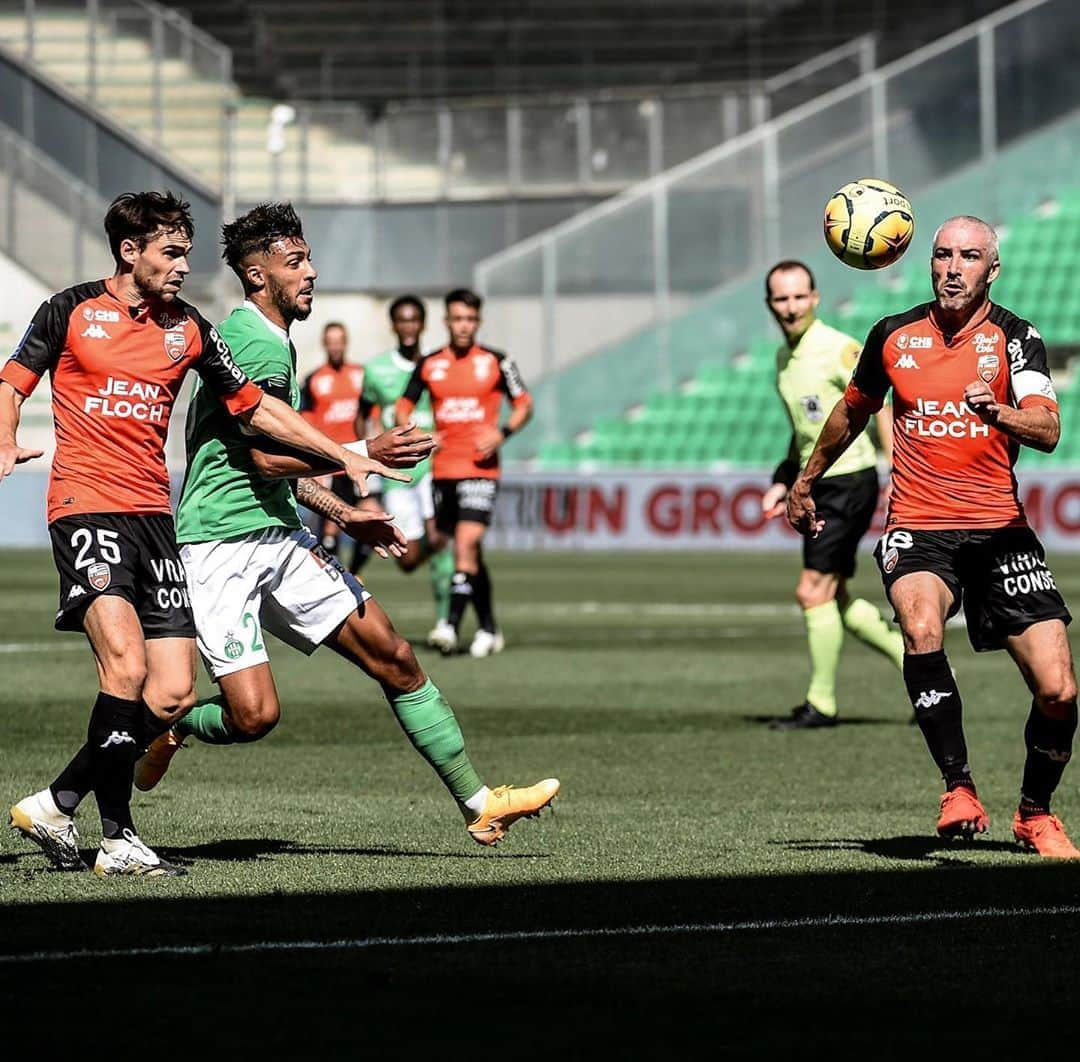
99 575
76 591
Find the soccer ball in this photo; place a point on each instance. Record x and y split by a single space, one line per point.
868 223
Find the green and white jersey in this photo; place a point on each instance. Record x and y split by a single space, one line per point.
224 495
811 379
385 378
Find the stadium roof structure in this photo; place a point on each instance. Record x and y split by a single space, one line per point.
382 51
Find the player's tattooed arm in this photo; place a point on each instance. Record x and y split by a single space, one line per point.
373 527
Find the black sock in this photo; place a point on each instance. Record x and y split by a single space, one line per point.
461 593
113 738
939 712
74 782
151 726
1049 747
361 554
330 544
485 614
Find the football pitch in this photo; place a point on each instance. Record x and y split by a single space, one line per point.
701 875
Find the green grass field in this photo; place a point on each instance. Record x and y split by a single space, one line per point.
769 893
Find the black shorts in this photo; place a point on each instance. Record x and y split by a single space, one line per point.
1000 576
463 499
846 503
123 555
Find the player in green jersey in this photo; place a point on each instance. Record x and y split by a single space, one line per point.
813 367
411 504
252 567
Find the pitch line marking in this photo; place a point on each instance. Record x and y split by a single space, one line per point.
526 935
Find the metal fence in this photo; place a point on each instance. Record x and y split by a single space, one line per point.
555 145
617 278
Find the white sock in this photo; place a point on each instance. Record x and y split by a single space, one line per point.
48 805
476 802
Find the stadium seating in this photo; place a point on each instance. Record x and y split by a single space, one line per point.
729 412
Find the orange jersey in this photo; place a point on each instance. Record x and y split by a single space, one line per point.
467 392
950 469
116 370
330 399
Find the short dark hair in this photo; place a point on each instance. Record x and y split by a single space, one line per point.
470 298
256 231
139 216
334 324
788 264
408 300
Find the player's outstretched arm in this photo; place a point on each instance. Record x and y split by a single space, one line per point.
371 527
1037 426
11 453
279 421
403 447
844 425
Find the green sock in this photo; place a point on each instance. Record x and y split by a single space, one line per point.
871 628
441 570
433 729
825 633
206 721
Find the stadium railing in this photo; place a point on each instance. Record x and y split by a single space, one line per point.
623 299
145 64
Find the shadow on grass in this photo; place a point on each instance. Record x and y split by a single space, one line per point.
920 849
843 720
853 960
258 849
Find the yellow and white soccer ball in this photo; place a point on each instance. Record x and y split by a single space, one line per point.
868 223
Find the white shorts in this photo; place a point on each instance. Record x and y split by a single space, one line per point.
278 580
410 507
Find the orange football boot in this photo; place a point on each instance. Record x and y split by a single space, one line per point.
961 814
151 766
506 804
1044 834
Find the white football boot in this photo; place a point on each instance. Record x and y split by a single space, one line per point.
486 643
443 637
128 855
39 820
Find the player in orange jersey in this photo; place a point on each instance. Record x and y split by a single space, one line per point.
970 386
329 399
468 383
117 351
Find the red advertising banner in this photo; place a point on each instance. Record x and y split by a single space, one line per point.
694 511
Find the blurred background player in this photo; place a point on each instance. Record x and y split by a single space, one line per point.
976 388
467 383
329 399
412 504
813 366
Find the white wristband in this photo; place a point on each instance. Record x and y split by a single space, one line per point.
358 447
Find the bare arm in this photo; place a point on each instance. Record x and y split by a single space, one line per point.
841 429
281 422
372 527
11 453
402 447
1036 426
